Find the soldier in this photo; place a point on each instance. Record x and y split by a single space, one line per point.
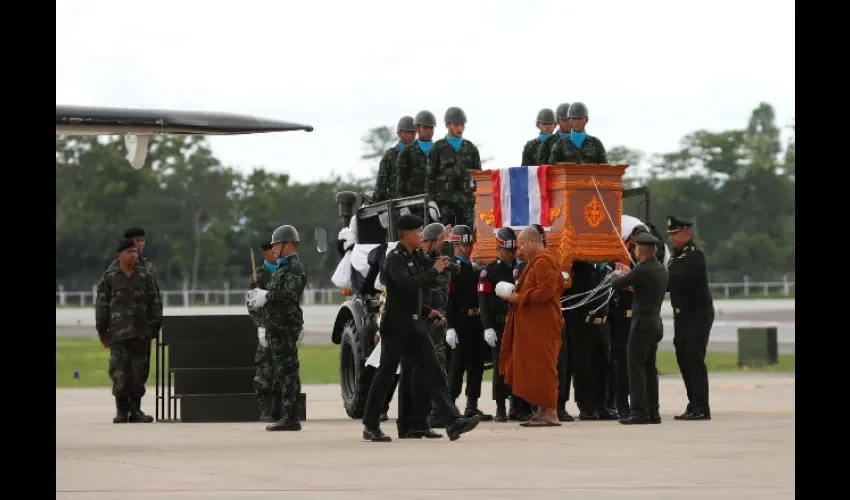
385 187
404 332
546 125
267 393
464 324
693 315
649 281
494 312
284 322
578 147
619 324
449 181
412 163
127 311
563 131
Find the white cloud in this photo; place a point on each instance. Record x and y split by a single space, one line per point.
650 72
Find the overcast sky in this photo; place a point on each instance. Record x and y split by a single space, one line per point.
649 71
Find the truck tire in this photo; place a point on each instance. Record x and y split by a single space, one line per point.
351 362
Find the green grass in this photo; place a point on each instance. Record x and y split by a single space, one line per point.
320 364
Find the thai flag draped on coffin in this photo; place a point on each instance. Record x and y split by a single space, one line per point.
520 197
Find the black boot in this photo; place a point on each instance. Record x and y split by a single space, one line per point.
122 410
501 414
136 413
472 410
654 416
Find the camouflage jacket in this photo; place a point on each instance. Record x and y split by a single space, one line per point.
449 176
545 149
410 170
385 186
591 151
148 265
263 277
529 152
282 310
127 307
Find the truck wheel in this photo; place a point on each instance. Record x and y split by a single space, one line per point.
350 367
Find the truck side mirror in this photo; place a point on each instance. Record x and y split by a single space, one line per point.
321 236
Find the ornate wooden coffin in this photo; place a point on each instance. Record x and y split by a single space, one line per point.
580 216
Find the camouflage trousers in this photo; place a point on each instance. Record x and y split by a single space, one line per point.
264 379
128 367
283 345
457 212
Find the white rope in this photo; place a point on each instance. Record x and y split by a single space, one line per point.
611 220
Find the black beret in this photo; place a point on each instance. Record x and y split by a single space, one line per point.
267 245
676 224
409 221
125 244
134 232
646 239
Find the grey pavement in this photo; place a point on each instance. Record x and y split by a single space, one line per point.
746 452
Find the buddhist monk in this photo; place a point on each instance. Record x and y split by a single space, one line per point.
532 338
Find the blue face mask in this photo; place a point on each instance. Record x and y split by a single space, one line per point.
578 138
455 142
543 136
283 260
271 267
425 146
463 259
562 134
400 145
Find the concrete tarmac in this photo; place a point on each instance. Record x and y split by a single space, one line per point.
746 452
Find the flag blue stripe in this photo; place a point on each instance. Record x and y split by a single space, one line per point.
519 196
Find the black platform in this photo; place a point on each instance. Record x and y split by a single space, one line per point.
206 363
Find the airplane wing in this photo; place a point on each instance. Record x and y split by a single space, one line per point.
138 124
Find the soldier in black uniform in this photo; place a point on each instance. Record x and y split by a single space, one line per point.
404 332
494 311
648 280
465 334
693 315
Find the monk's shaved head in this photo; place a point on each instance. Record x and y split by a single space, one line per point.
530 242
531 233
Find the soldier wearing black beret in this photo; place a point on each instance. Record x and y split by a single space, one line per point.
693 315
648 280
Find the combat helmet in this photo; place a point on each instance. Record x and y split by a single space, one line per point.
506 238
455 115
577 110
545 115
562 113
405 124
433 231
425 118
462 234
285 234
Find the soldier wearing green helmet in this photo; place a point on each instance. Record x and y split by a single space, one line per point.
449 181
546 125
386 183
563 131
578 147
412 162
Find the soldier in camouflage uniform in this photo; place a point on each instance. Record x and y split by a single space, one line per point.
546 125
578 147
284 322
127 312
545 151
385 186
266 391
412 163
449 181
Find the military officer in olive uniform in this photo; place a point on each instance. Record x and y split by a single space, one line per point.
412 163
578 147
494 312
693 315
546 125
465 335
545 150
385 186
648 280
267 393
449 181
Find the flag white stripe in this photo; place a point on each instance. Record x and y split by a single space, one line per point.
533 196
505 193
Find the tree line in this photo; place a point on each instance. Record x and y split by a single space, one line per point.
202 217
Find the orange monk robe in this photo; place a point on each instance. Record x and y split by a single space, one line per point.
532 338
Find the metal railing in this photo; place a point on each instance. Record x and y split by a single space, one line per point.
331 296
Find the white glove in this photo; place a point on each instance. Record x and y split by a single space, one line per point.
490 337
300 337
261 336
451 338
504 289
565 275
257 298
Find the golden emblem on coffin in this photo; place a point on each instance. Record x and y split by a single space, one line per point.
594 212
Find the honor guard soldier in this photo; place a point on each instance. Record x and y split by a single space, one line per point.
546 146
546 125
412 163
267 393
494 312
403 331
578 147
464 335
693 315
649 281
284 322
385 186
